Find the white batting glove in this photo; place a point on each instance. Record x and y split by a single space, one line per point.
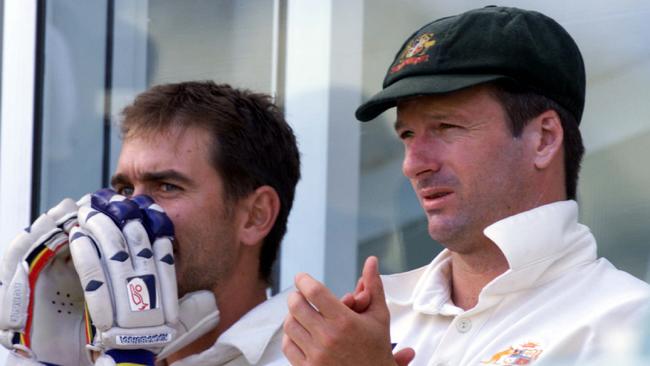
123 254
41 300
198 314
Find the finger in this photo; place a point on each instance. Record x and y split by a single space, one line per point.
362 301
84 200
163 254
138 245
358 302
404 357
320 296
33 235
361 297
303 312
360 287
298 334
293 353
64 214
108 238
161 232
373 284
140 238
86 257
348 300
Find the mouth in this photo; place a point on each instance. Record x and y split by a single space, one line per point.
435 198
436 195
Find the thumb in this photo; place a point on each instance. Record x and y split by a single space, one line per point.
404 357
372 283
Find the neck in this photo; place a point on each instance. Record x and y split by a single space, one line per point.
472 271
242 292
483 261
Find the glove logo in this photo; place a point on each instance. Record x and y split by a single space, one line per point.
143 340
142 292
16 304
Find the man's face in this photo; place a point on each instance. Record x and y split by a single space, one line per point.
173 167
465 166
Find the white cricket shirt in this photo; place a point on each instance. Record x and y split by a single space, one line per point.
255 339
557 301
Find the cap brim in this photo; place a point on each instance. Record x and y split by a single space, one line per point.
419 85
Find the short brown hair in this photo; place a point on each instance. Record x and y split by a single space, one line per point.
254 145
522 105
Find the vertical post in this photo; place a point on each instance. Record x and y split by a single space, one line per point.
18 86
108 92
17 123
322 90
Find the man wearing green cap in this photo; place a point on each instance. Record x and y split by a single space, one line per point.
488 108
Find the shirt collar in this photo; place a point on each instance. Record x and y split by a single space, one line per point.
252 333
538 244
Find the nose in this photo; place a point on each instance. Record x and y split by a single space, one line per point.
421 156
139 189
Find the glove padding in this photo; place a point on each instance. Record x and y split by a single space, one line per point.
198 315
123 254
41 300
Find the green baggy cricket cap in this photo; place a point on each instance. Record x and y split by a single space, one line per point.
483 45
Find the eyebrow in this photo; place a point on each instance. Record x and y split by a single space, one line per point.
397 125
436 116
173 175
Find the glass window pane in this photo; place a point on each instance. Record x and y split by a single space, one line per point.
152 42
73 96
227 40
163 41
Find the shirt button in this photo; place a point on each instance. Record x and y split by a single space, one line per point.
464 325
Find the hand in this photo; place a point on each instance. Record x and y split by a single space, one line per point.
123 254
332 332
41 300
359 300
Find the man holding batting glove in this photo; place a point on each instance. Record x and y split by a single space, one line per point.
203 188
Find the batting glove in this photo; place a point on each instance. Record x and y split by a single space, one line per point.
123 254
41 300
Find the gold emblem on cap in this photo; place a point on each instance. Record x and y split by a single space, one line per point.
414 52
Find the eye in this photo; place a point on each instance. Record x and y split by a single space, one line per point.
446 126
125 191
403 135
168 187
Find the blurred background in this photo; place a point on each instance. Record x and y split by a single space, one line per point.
70 66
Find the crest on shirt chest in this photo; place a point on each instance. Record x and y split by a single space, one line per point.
522 354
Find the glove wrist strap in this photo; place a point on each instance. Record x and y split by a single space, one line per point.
132 357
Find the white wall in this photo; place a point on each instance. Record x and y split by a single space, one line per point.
322 89
19 45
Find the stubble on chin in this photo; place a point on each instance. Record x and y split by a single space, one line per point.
204 269
453 232
197 277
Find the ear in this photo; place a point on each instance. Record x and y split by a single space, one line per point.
548 137
261 209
